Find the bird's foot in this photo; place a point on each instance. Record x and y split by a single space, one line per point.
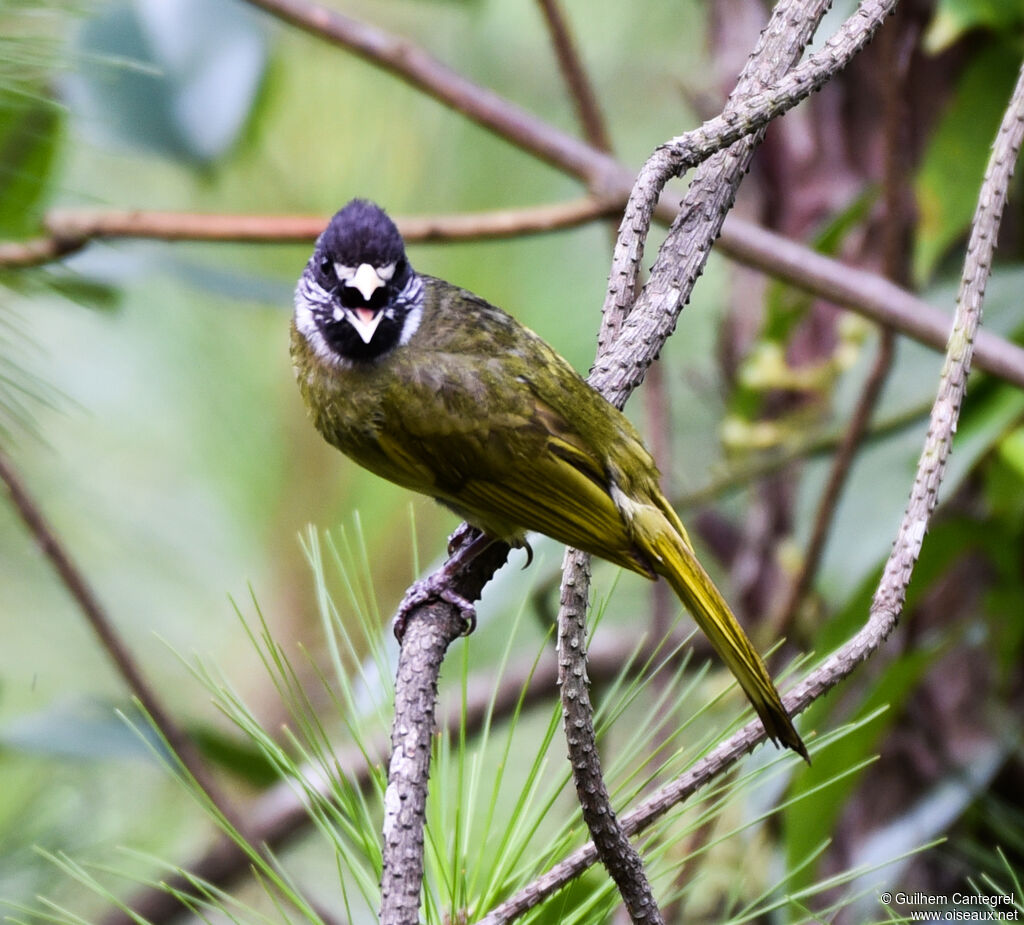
433 587
464 545
463 532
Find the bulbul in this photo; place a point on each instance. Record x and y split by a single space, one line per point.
433 388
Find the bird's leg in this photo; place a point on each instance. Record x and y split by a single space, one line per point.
438 584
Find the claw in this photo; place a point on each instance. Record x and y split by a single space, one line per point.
437 586
529 554
433 587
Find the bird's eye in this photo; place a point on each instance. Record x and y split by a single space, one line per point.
386 272
325 266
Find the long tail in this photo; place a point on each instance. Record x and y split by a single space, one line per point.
675 560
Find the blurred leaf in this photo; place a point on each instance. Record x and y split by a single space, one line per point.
765 368
954 163
29 138
952 18
178 77
80 729
1011 449
241 757
879 483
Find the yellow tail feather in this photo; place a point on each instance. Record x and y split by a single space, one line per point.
672 558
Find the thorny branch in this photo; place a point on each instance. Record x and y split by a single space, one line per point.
620 858
889 597
744 241
791 26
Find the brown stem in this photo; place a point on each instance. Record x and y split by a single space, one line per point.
896 222
588 111
890 595
829 500
88 603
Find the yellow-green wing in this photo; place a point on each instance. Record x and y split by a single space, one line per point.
506 459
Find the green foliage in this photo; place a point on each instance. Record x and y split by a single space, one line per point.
178 79
30 130
500 806
954 18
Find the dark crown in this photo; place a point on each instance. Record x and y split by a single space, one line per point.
360 233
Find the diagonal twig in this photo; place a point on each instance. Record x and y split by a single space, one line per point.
896 220
588 111
99 620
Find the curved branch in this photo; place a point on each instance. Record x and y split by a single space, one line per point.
890 595
751 106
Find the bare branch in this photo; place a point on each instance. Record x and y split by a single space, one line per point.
38 251
417 67
860 291
429 630
619 857
890 595
866 293
424 644
72 229
88 603
761 94
588 111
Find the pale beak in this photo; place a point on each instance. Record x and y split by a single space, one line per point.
366 281
364 320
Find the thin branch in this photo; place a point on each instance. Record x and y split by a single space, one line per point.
588 111
866 293
37 251
890 595
69 230
620 858
429 630
124 662
710 197
863 292
424 644
415 66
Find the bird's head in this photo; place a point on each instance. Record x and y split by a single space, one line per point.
358 298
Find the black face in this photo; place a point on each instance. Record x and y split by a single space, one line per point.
358 286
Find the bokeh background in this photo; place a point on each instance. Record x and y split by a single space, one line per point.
146 398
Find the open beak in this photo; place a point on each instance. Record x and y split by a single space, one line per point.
366 280
364 318
365 321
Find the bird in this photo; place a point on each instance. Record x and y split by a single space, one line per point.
433 388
